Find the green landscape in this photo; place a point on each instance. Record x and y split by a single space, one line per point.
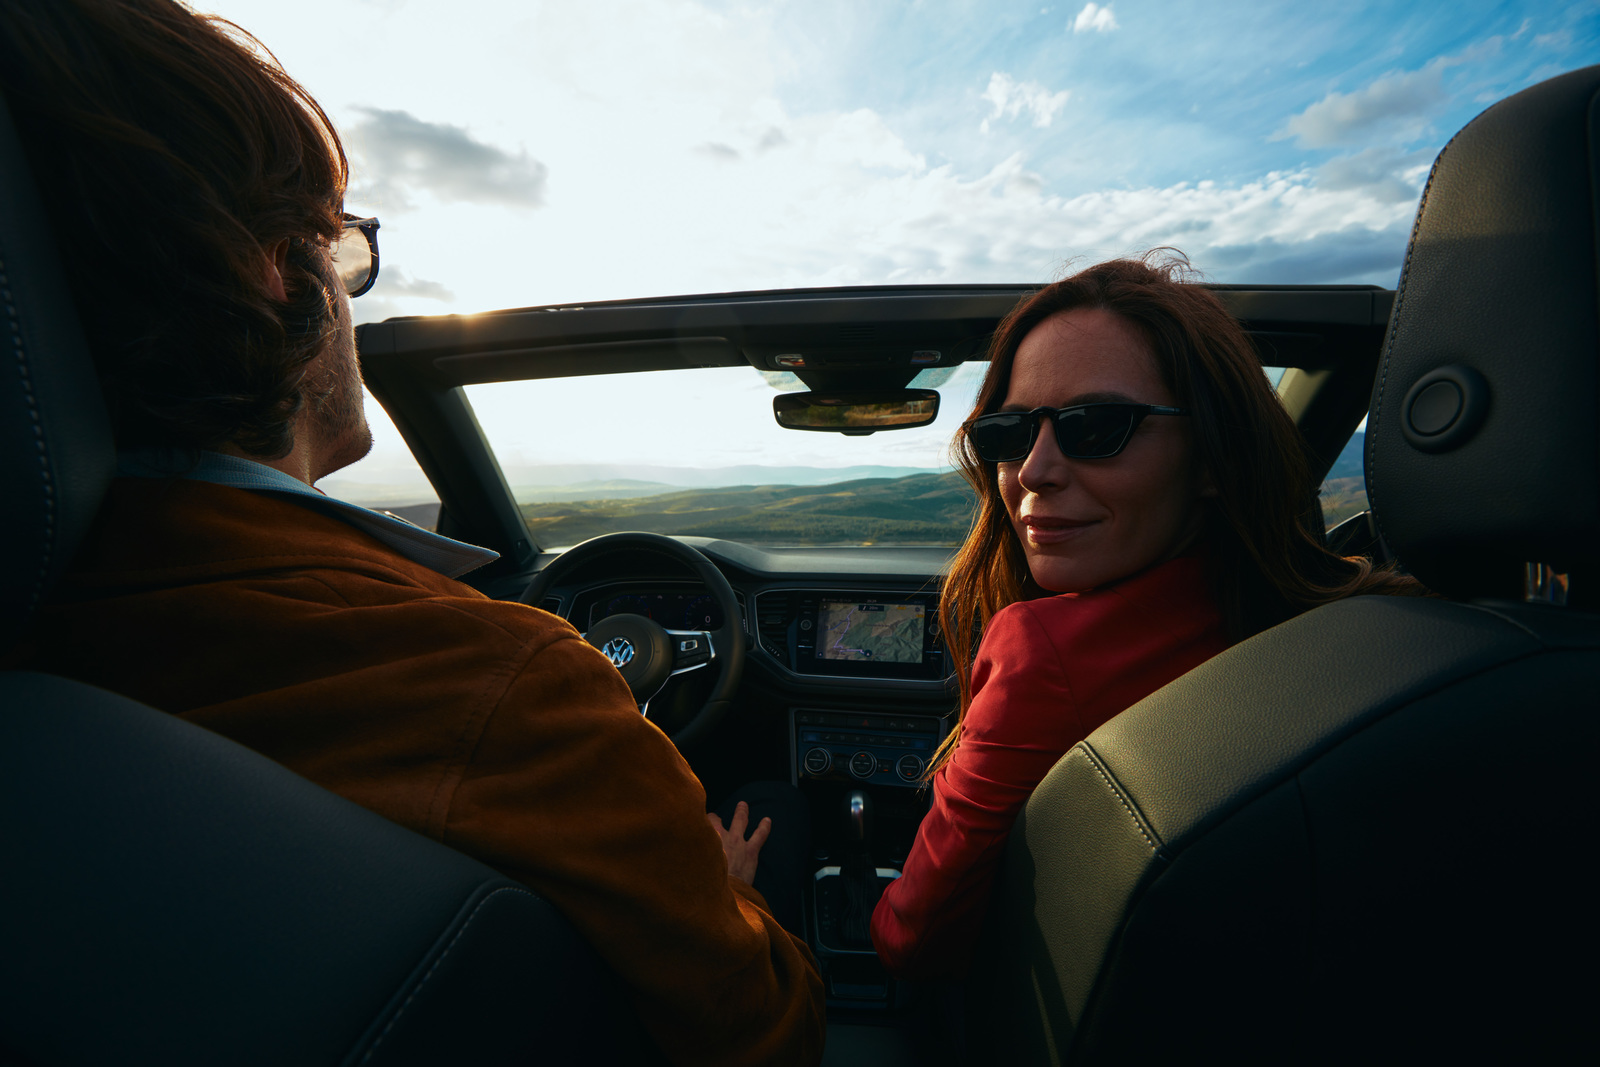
919 509
1342 498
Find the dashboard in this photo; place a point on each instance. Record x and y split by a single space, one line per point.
845 658
845 691
836 632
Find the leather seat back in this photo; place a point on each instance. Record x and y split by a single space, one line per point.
171 897
1361 835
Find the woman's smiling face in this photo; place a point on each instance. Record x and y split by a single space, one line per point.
1084 523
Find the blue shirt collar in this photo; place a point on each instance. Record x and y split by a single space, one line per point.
449 557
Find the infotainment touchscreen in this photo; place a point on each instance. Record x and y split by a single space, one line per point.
881 633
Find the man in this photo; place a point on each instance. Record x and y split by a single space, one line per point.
196 191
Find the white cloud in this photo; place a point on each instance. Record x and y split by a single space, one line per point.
816 197
1011 98
614 96
1387 175
718 150
397 154
395 282
1397 105
1094 18
397 293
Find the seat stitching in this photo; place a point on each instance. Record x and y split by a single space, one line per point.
447 950
1518 623
1116 791
15 329
1394 330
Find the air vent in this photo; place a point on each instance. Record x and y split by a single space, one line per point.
774 613
552 604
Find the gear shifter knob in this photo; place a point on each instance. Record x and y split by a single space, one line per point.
858 878
859 810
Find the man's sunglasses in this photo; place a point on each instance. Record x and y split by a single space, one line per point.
1084 431
355 254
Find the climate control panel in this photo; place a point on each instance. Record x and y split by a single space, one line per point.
863 746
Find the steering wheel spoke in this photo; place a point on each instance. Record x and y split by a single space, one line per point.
691 650
646 654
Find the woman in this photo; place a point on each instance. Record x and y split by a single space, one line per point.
1144 502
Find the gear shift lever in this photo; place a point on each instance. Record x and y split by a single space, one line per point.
859 805
858 874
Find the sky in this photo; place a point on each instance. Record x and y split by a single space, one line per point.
523 153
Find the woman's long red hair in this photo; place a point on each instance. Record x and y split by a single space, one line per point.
1263 528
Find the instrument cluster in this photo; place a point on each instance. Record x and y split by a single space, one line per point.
676 609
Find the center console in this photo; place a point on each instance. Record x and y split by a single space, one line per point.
862 746
873 670
852 634
862 775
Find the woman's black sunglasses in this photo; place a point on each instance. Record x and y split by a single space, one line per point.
1084 431
355 255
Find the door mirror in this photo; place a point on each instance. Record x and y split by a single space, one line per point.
856 414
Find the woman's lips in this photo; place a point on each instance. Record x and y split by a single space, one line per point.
1043 530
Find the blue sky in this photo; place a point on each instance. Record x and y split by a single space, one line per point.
533 152
526 152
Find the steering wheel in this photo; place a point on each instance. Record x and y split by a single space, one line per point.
646 653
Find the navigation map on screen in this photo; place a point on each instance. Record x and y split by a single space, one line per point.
883 633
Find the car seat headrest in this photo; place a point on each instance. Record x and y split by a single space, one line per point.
1483 441
56 455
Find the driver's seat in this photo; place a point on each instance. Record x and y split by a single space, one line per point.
1365 835
168 897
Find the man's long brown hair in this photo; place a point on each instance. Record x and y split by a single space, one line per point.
1263 528
171 151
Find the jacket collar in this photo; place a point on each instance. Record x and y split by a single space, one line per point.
445 555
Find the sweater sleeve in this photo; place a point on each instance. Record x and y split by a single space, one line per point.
1023 716
571 791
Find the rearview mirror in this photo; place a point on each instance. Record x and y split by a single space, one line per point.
856 414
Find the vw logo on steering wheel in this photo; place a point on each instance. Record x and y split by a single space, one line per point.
619 650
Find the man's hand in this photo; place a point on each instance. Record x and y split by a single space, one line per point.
742 852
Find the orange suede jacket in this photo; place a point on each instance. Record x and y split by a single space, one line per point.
489 726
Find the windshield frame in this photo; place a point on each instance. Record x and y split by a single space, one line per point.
416 367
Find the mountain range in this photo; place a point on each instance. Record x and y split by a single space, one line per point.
795 505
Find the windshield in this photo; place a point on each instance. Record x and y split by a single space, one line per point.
699 452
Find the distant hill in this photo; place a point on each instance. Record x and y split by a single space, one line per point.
612 489
1344 493
1352 461
1342 498
555 476
915 509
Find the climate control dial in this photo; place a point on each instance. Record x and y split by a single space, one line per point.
818 761
909 767
863 764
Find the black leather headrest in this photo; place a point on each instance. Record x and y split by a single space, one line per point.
56 455
1483 445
